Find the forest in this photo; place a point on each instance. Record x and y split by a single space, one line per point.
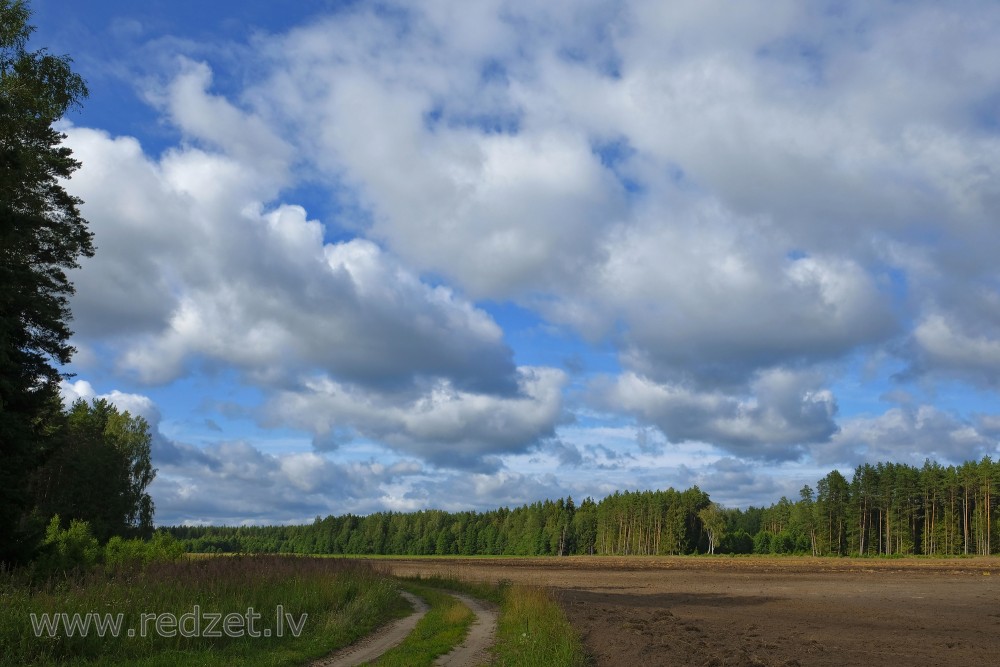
88 462
885 509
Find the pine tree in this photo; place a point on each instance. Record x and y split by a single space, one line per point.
42 235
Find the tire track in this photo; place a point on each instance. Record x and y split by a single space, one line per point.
372 646
474 650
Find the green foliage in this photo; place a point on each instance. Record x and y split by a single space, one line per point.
100 472
122 553
647 522
762 542
42 235
532 630
343 600
885 509
66 550
531 627
441 629
737 542
713 520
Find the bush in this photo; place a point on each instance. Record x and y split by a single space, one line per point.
738 542
165 547
138 553
762 542
65 550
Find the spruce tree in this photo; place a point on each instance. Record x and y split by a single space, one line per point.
42 235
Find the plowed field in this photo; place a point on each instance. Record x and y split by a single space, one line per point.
642 612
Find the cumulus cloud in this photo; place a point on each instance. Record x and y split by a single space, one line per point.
223 281
739 201
235 482
441 424
135 404
503 213
944 346
911 433
605 176
782 412
738 483
711 302
215 121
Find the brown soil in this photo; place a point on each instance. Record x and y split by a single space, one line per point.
643 612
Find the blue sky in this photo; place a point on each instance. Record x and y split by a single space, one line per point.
369 256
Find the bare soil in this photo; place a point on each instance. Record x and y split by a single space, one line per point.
474 649
722 611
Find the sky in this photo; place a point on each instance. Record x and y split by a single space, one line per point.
365 256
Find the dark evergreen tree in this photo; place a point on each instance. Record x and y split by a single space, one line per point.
100 473
42 235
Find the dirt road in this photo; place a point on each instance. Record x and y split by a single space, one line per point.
475 649
762 611
377 643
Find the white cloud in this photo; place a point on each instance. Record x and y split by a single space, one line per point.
137 405
782 412
944 346
234 482
441 424
737 249
214 120
910 434
715 302
258 289
735 199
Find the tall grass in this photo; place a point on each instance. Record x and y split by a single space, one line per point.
533 631
343 600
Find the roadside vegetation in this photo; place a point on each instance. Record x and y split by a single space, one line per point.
441 629
532 630
328 603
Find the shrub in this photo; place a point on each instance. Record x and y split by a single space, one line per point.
64 550
139 553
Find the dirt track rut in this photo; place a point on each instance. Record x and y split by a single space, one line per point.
380 641
475 649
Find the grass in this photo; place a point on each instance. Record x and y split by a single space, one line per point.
339 601
441 629
532 630
343 600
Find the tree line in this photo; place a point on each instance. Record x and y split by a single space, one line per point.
640 522
89 463
885 509
894 509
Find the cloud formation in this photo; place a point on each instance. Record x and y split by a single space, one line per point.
257 289
751 207
781 412
440 424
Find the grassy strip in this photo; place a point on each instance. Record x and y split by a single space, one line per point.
342 600
477 589
441 629
532 630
